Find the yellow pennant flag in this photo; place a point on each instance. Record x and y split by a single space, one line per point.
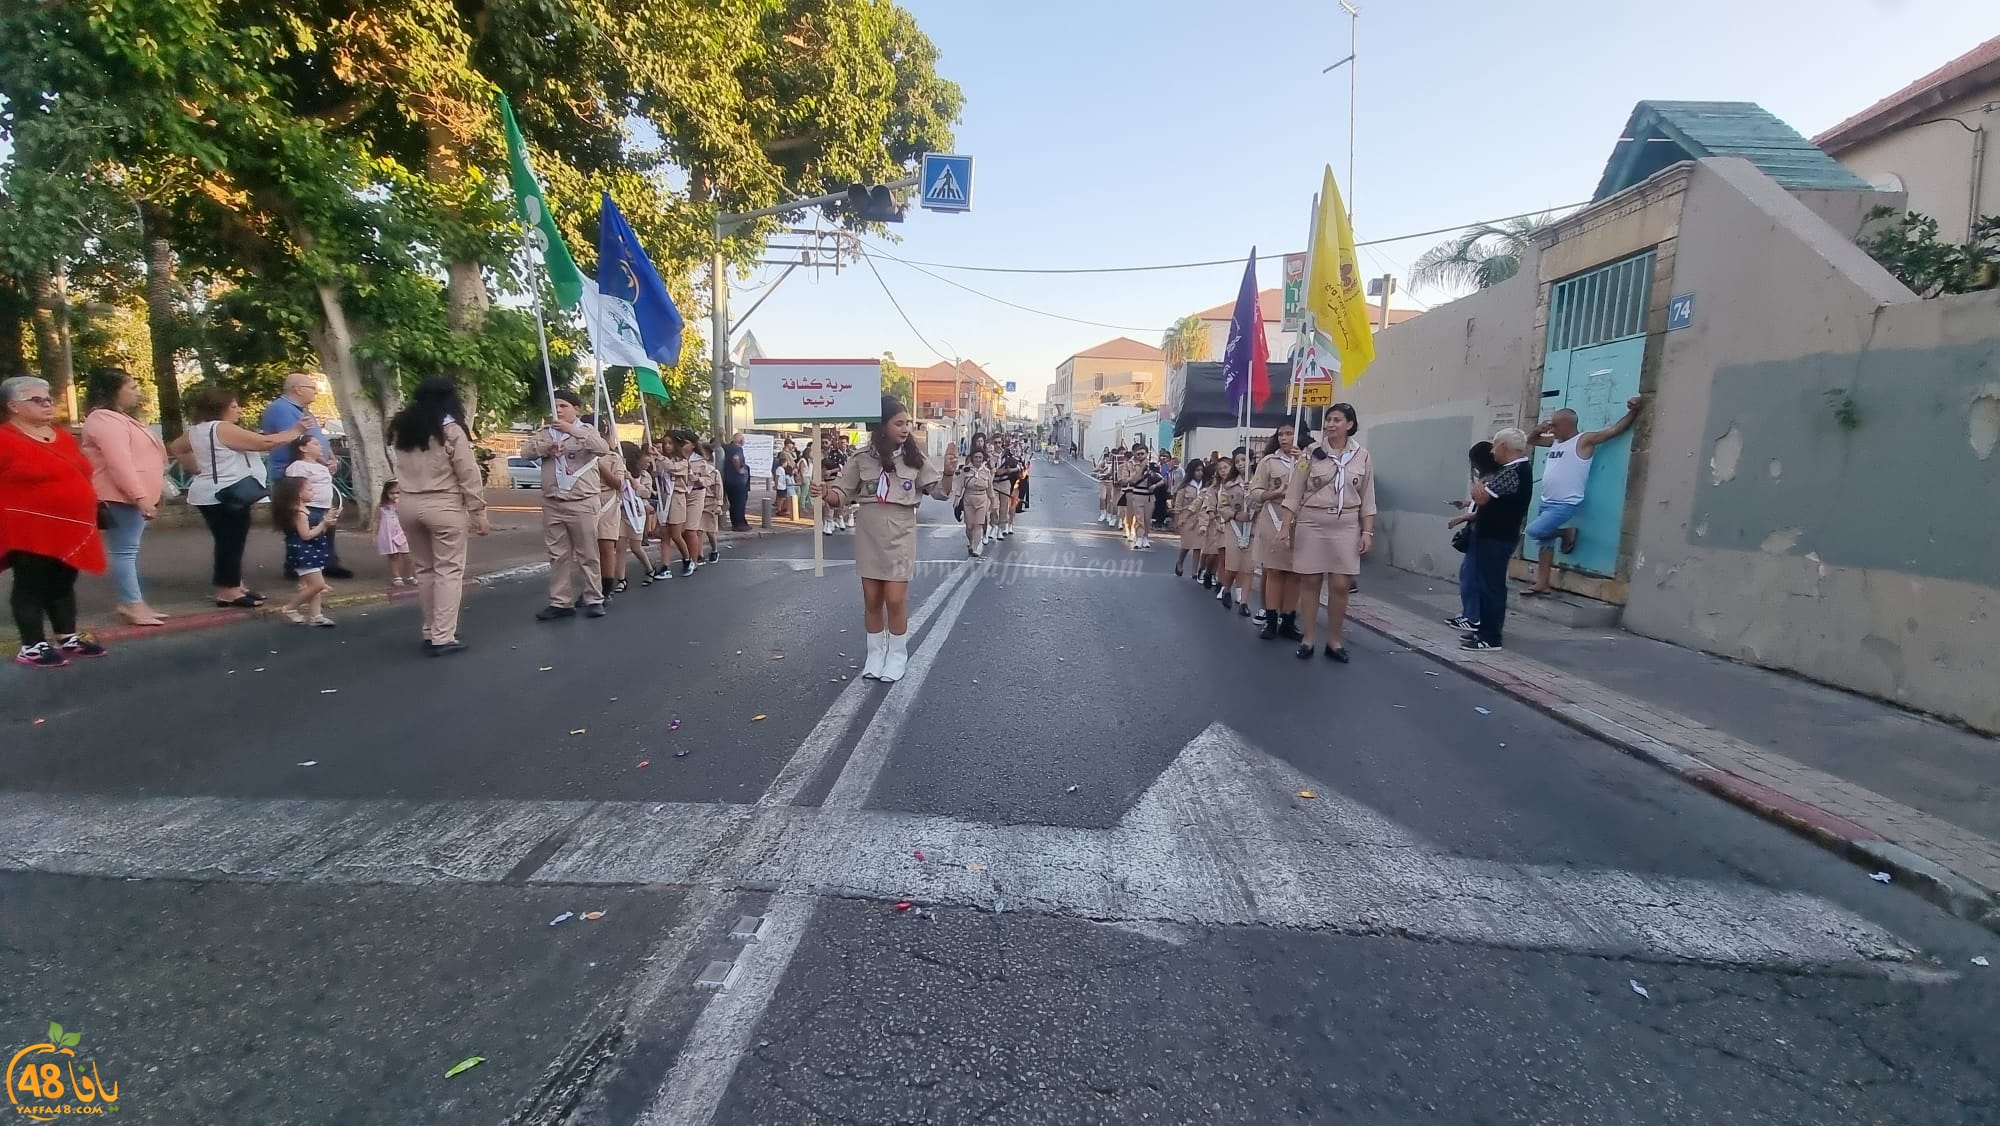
1335 299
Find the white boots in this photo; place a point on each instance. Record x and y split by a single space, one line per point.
898 659
888 657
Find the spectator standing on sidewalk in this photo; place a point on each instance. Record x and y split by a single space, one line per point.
1565 477
1480 461
1502 501
285 412
48 523
128 469
569 452
736 482
217 453
443 498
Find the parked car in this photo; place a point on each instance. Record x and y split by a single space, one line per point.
524 473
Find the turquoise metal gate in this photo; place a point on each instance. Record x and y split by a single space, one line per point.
1596 347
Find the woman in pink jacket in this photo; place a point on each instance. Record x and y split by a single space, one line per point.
128 467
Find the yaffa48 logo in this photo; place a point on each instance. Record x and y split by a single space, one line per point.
46 1081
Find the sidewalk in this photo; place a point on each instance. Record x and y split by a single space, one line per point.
176 556
1891 790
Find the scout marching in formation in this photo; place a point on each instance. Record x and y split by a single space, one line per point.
1288 522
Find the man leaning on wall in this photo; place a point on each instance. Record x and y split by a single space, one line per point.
1565 477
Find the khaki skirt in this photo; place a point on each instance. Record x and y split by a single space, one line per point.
1265 550
1235 560
677 507
1141 503
1325 544
711 522
976 512
610 517
885 541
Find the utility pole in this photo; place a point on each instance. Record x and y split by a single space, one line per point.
1388 287
718 277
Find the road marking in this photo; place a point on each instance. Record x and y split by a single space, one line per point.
1218 839
701 1076
707 1062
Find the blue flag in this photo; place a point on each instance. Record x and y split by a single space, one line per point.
626 274
1246 357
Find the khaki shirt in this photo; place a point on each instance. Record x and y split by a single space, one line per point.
447 469
571 453
860 480
1325 483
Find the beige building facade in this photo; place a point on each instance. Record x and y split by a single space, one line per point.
1933 140
1795 494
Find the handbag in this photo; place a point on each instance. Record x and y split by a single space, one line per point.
104 518
240 493
1461 538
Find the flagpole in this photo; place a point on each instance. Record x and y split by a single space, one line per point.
542 338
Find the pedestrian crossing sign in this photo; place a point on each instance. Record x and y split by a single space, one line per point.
946 183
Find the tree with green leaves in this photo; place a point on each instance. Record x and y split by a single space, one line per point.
1478 257
1186 341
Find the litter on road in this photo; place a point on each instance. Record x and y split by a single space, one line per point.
1637 988
1980 960
565 917
310 762
1882 878
592 916
1482 711
1309 795
463 1066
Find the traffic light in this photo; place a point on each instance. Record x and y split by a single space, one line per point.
873 204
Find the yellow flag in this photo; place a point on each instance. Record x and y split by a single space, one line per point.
1335 299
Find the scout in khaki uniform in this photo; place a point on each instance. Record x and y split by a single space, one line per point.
1107 489
1268 483
893 470
1139 495
1330 524
1190 520
672 469
571 481
443 498
1229 529
974 497
684 510
610 514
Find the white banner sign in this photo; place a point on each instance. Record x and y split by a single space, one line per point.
759 450
816 390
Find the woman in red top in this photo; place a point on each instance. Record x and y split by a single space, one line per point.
48 523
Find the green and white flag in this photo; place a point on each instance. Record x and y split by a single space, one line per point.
566 279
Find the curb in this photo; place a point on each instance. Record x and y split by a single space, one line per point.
1965 898
210 619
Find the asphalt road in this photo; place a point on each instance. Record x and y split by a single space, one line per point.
1124 910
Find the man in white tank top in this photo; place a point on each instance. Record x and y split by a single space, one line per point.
1565 476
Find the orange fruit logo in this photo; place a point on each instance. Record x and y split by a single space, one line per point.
45 1081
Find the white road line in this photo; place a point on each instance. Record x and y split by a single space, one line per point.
857 779
1219 839
707 1064
828 733
707 1061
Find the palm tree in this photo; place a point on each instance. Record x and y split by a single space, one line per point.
1187 342
1478 257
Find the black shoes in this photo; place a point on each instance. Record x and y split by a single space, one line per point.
551 613
594 610
447 649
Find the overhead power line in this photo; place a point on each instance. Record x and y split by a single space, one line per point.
901 313
1210 262
870 251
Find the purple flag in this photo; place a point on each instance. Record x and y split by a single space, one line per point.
1246 359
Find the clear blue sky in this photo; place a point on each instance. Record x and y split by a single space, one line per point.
1120 132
